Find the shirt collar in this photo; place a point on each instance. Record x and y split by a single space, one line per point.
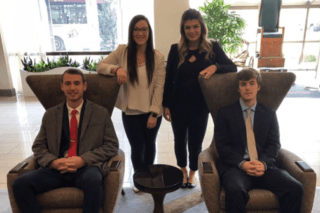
244 107
70 109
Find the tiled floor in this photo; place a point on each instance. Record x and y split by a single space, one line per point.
20 119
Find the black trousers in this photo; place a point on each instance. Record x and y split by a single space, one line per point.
142 140
237 184
89 179
189 126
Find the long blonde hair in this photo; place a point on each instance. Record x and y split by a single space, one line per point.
205 43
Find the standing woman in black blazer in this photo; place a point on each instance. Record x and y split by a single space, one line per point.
183 101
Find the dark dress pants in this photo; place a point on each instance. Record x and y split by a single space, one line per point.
189 125
29 185
142 140
237 184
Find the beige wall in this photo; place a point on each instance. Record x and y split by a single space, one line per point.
167 16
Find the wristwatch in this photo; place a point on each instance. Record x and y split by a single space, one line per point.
154 114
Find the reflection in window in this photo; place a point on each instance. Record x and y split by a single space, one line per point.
68 12
108 25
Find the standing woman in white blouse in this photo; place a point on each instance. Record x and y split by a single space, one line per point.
140 71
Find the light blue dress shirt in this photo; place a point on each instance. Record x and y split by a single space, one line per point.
244 112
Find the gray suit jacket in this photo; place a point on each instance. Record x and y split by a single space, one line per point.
97 144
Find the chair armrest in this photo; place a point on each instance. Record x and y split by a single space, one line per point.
308 179
25 166
289 161
18 167
282 28
304 166
259 29
115 165
210 182
116 161
282 31
113 182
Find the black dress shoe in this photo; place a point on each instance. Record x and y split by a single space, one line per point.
184 185
192 185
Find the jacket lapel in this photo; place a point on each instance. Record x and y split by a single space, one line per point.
86 118
59 121
258 121
240 121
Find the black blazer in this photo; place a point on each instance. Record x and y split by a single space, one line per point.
219 58
231 139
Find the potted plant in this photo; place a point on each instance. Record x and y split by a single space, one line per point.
50 67
91 65
223 27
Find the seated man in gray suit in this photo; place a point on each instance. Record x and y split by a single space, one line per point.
75 141
247 140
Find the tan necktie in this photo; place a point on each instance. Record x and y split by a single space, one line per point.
252 149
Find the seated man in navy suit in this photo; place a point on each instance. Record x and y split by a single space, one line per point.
73 146
247 139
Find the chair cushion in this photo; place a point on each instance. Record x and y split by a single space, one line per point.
67 197
272 35
102 90
260 199
269 15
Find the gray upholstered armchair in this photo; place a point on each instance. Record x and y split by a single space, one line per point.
102 90
270 37
221 90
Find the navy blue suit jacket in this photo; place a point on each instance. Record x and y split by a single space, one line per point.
231 139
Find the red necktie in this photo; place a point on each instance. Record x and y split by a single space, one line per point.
73 135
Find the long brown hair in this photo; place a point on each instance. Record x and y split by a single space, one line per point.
183 45
132 52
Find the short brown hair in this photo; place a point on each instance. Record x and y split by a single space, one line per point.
74 71
248 73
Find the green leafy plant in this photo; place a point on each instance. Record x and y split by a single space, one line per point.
93 66
86 63
223 27
27 64
51 64
74 64
90 65
41 66
310 58
64 61
32 66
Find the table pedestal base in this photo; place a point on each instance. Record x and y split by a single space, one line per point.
158 202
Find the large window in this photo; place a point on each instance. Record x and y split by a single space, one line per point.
301 42
68 12
80 25
65 25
